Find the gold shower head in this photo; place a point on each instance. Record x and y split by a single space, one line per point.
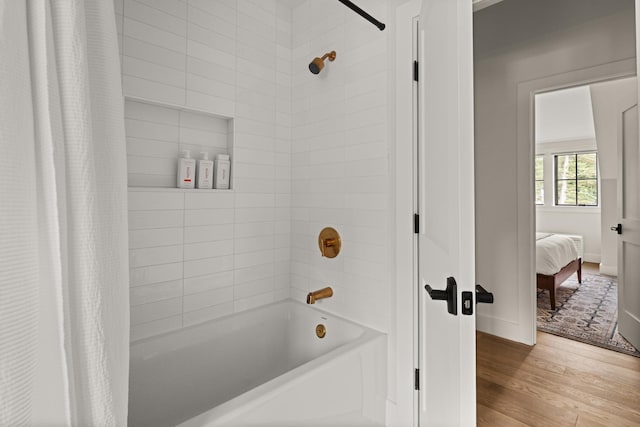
318 63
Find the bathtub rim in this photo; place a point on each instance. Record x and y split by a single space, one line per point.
250 311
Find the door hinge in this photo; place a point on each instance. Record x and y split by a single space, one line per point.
416 379
416 223
415 71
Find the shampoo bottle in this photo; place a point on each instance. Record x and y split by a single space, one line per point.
205 172
186 170
223 166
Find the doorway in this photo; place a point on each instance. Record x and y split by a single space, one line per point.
515 58
575 164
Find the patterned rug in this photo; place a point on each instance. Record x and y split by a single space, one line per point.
586 312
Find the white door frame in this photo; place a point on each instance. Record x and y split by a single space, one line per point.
404 413
525 329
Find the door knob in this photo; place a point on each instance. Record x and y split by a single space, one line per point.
617 228
450 295
483 296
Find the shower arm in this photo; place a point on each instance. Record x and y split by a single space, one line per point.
331 55
364 14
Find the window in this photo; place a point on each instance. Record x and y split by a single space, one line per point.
540 180
576 179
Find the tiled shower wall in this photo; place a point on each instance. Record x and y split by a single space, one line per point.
200 254
340 172
247 60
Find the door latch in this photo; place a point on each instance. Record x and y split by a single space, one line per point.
467 303
482 296
450 295
617 229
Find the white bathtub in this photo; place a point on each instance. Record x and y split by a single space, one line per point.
262 367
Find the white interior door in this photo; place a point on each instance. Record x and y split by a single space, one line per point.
447 395
628 227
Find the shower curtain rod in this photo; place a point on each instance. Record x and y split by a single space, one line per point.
364 14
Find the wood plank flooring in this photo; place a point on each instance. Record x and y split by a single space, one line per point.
558 382
590 267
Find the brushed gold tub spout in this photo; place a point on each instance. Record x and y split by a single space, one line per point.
312 297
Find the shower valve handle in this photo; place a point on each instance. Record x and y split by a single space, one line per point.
327 243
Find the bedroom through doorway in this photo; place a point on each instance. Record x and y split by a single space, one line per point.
576 172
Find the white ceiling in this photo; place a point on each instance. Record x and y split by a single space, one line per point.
564 115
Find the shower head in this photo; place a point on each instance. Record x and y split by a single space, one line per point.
317 64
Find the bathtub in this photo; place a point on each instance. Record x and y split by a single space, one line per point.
262 367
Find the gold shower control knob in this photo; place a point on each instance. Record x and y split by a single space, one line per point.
329 242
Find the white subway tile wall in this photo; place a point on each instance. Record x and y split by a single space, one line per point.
340 175
309 151
197 256
188 264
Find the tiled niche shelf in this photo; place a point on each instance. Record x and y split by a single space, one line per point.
156 135
178 190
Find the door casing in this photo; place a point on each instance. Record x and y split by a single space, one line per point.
403 412
406 291
525 329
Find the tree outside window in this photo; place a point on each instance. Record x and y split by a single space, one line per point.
540 180
576 179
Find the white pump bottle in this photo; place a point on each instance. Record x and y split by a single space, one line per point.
205 172
186 170
222 177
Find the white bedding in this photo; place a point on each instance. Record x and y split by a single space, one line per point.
553 251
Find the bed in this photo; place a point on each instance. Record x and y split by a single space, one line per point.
557 258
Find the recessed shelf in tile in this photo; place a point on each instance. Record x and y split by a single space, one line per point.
157 133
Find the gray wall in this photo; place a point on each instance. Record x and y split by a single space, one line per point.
517 41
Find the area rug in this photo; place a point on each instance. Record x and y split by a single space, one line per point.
586 312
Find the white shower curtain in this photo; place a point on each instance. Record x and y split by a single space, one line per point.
64 294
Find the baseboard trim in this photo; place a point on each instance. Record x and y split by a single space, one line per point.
594 258
503 328
609 270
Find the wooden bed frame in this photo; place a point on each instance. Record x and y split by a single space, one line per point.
551 283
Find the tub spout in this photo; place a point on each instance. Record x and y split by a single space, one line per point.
312 297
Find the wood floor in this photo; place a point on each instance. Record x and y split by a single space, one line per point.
558 382
590 267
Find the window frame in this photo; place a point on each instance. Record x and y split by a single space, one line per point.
576 180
